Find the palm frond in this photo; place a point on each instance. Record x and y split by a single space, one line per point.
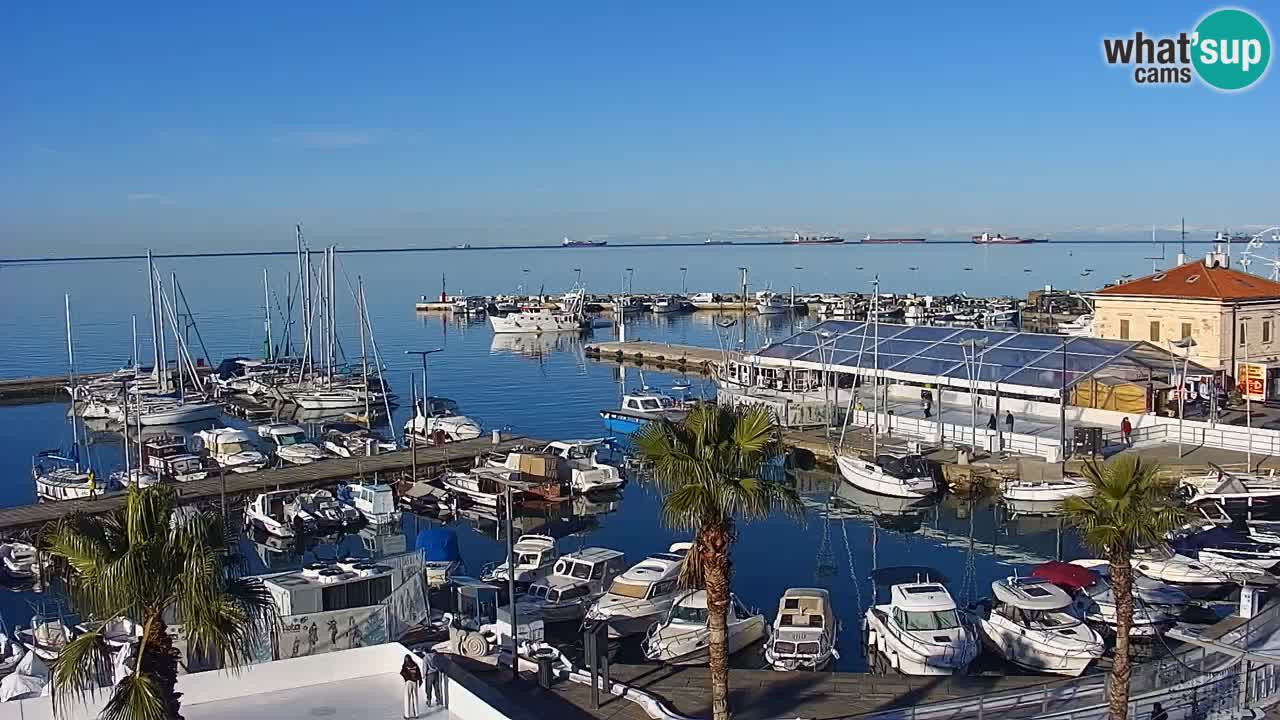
138 696
1131 507
81 670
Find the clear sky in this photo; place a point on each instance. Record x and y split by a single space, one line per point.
183 125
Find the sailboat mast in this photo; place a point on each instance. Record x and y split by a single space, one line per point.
134 320
266 310
177 334
71 378
875 368
157 354
364 363
333 306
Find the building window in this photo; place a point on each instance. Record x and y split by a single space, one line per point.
1266 331
1243 340
1155 331
1124 329
1186 330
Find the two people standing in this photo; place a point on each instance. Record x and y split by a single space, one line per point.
413 679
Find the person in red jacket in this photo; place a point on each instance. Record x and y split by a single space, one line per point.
1126 430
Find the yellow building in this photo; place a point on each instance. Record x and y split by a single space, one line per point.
1232 317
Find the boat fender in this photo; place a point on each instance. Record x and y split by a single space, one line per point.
872 637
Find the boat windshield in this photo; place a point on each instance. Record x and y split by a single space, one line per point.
649 404
1048 619
931 620
528 559
538 591
685 615
581 571
291 439
626 588
234 447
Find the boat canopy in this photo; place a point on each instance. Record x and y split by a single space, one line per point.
1030 593
1068 576
1219 536
439 544
232 367
905 467
903 574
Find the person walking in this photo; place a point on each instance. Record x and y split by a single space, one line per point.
1158 712
435 689
1008 421
1126 431
412 675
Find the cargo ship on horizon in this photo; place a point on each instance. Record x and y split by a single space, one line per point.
583 243
798 239
868 240
998 239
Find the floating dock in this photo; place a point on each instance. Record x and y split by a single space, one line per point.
325 472
685 358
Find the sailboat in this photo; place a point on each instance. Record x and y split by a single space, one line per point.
906 476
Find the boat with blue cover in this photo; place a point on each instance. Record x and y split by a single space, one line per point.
640 409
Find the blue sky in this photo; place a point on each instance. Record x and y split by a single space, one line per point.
184 125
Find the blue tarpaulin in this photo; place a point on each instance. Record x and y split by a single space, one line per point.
439 545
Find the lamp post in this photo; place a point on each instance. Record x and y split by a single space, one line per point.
971 364
631 280
825 372
425 394
1185 344
744 307
577 277
684 274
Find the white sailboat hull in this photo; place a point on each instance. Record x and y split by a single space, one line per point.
870 477
179 413
1025 491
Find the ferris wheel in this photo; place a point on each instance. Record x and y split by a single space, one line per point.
1253 251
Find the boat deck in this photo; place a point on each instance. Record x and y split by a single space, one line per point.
325 472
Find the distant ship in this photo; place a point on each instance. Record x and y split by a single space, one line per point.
1233 238
868 240
798 239
709 241
583 243
998 239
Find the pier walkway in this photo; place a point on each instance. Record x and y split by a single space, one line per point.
661 355
325 472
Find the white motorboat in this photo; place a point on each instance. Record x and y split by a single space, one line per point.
316 511
641 409
482 485
568 318
1031 625
1230 489
330 399
375 501
920 631
58 477
1165 565
667 305
771 303
587 473
229 449
46 637
266 513
346 439
643 594
20 560
534 554
1080 327
804 631
291 443
681 638
576 580
908 476
1158 606
1046 491
441 421
167 459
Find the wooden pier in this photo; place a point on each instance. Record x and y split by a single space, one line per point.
26 390
685 358
325 472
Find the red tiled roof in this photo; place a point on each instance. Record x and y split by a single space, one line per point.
1196 281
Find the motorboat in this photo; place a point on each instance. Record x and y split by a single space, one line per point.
291 443
167 459
59 477
1216 544
438 418
20 560
229 449
771 303
318 510
587 473
346 439
266 513
639 410
1080 327
1250 492
907 476
1047 490
1158 605
1164 564
576 581
804 631
667 304
329 399
46 637
643 594
920 630
375 501
482 485
1030 623
682 636
569 317
534 554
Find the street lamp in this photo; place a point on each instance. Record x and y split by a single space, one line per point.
826 372
971 362
1185 344
424 354
577 277
684 274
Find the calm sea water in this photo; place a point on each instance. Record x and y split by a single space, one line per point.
546 388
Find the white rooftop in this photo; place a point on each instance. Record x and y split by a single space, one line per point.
927 596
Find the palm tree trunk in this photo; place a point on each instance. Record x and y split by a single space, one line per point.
713 545
160 660
1122 588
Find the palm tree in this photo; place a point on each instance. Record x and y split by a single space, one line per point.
1131 508
708 467
148 562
